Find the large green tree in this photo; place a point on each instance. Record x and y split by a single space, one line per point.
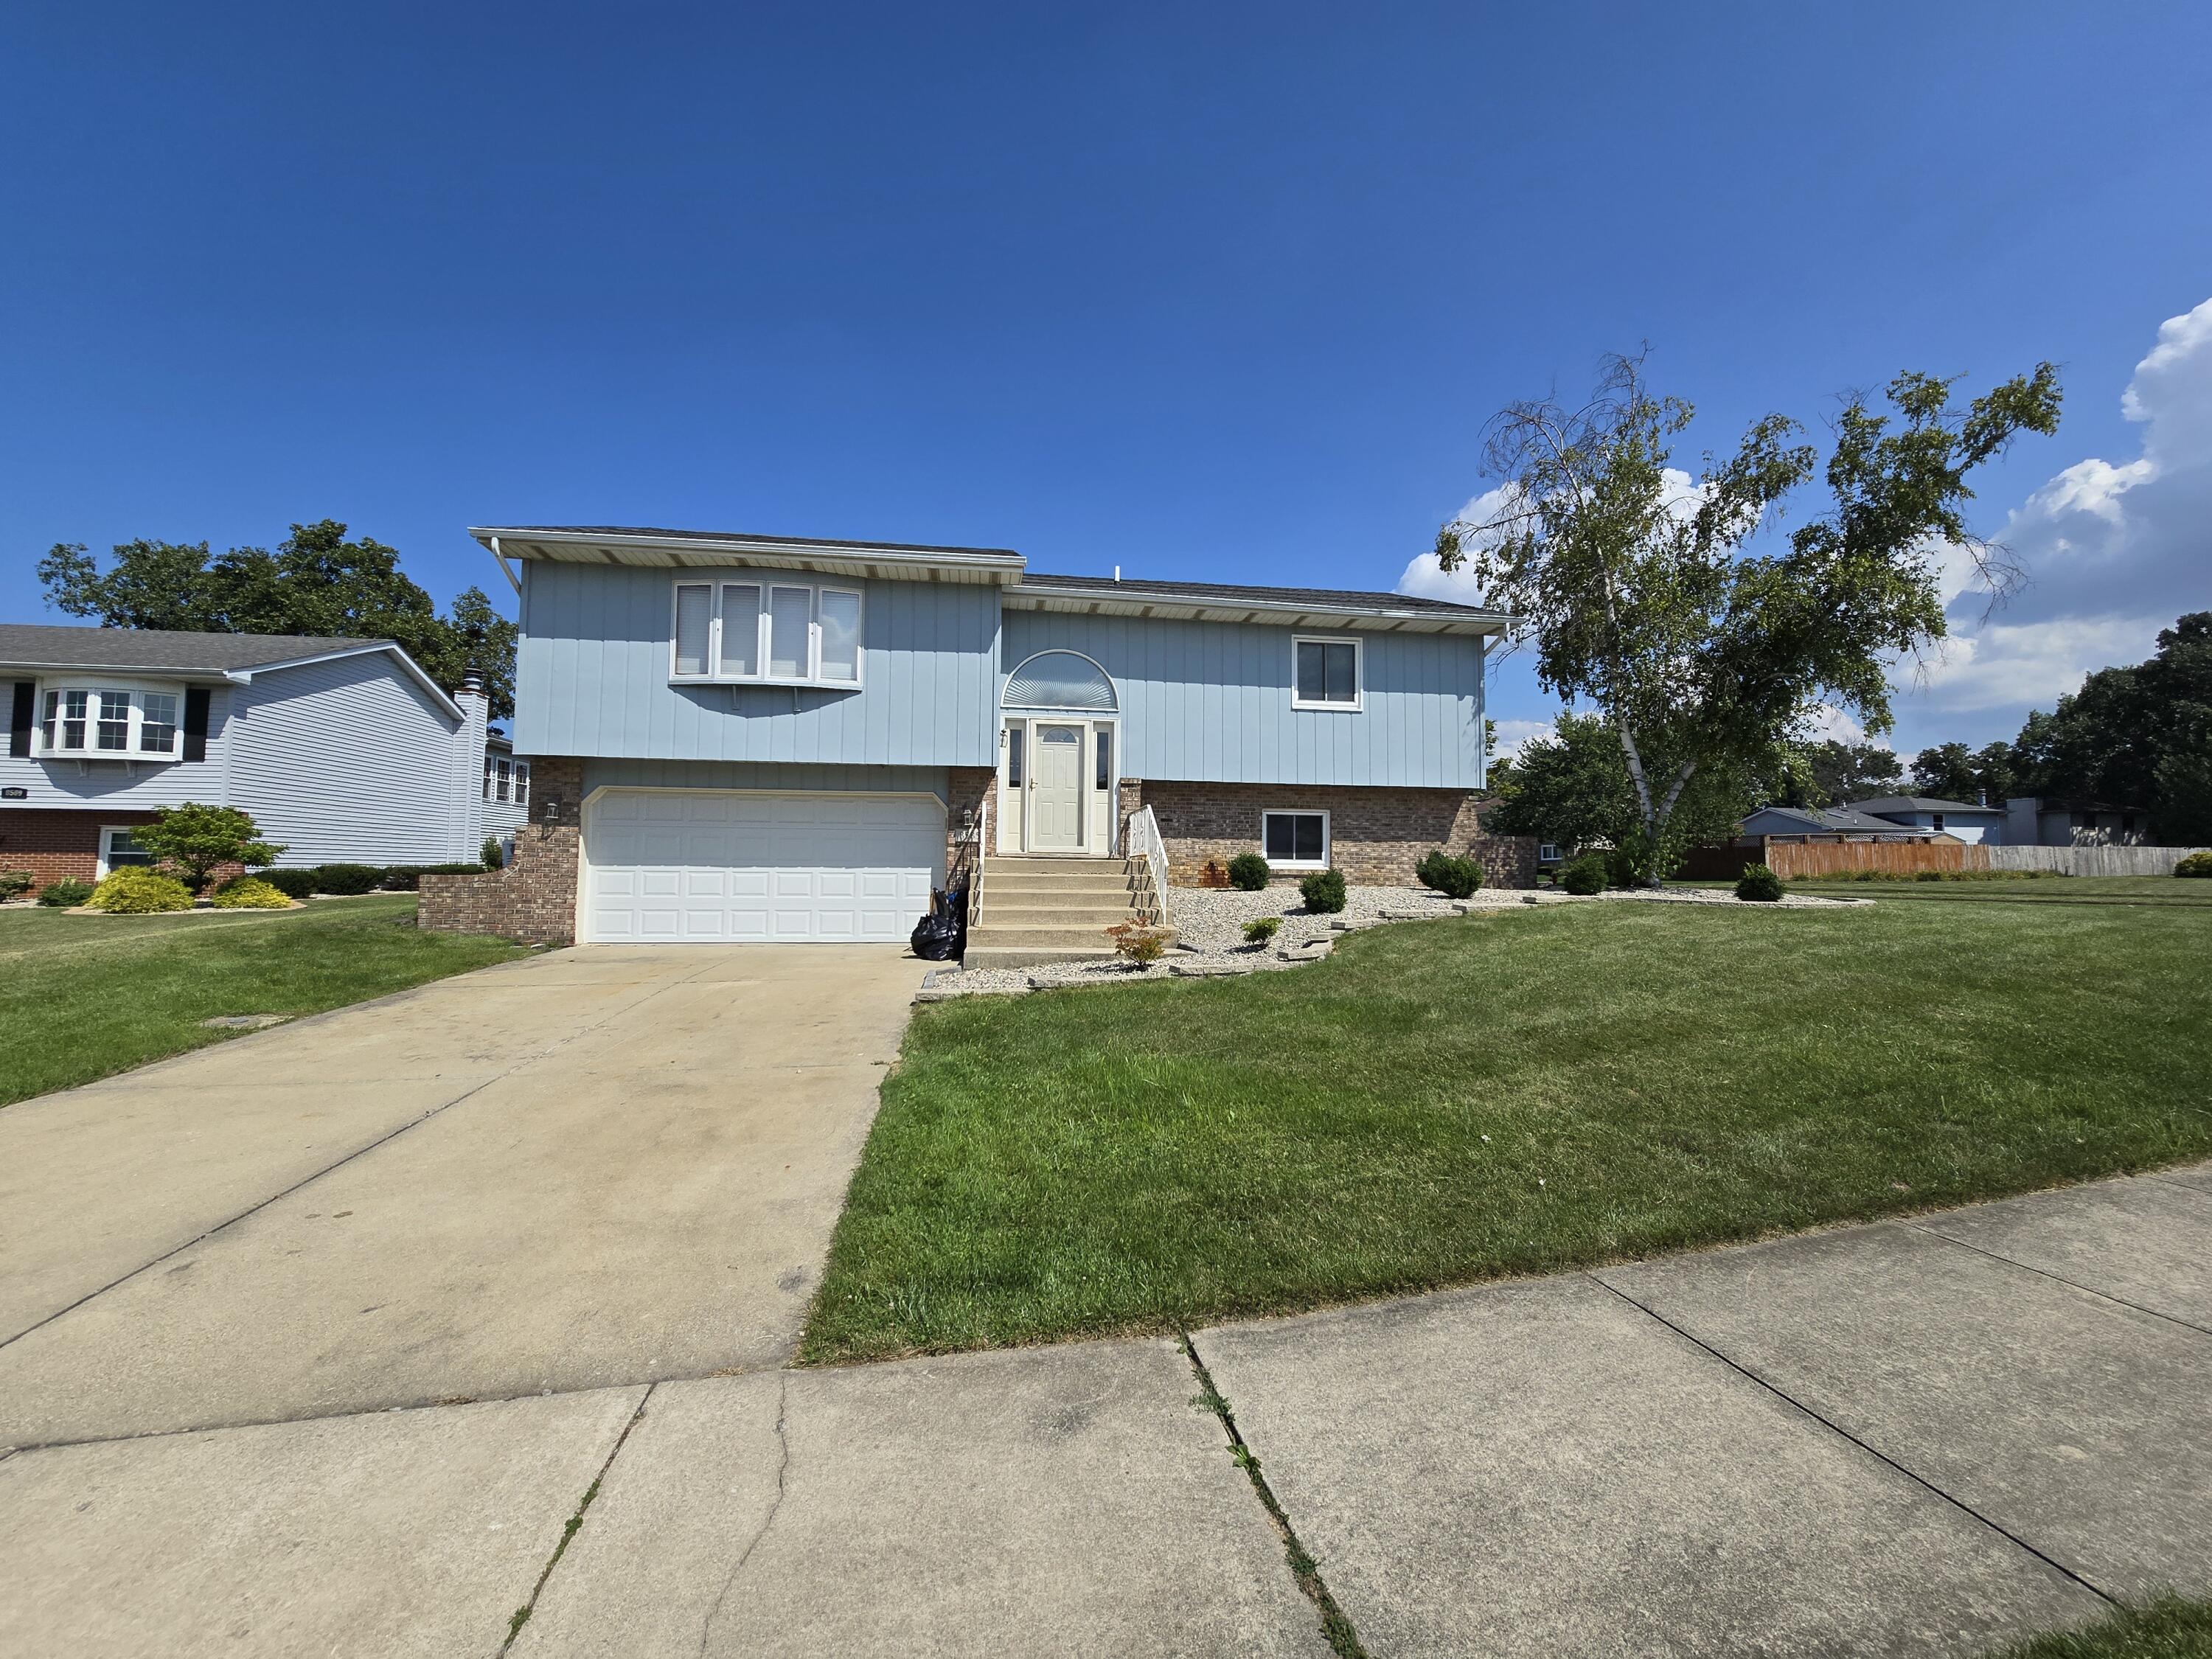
1572 788
1837 771
2136 735
1643 597
317 582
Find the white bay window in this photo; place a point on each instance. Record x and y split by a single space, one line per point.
766 633
110 722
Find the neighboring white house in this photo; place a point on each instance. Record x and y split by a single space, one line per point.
1961 820
506 789
345 750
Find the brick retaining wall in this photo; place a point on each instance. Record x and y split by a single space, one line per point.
533 899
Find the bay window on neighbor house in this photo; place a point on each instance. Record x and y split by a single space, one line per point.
767 633
110 721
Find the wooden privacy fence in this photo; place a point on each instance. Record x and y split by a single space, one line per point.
1793 858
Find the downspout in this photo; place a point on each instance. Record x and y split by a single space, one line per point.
500 558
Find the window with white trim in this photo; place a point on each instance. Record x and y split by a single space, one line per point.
522 783
1325 674
110 722
766 633
118 849
1295 841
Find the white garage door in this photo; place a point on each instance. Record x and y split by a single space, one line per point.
721 866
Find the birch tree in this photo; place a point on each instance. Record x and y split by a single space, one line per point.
1638 585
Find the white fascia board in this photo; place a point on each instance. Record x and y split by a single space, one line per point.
1286 611
514 543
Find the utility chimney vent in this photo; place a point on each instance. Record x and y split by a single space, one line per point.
472 680
1117 573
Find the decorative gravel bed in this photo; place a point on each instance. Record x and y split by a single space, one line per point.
1209 932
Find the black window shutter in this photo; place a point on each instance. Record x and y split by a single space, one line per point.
196 717
19 726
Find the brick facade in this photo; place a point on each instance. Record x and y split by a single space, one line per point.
971 792
57 845
534 898
1377 835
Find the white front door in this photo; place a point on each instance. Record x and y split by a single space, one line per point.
1055 803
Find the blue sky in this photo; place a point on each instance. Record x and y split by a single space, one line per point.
1219 292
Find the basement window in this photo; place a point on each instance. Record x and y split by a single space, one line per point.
1295 841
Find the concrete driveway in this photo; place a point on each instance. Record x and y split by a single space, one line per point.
591 1168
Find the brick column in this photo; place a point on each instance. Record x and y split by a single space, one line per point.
534 898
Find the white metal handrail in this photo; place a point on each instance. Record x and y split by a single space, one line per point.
1144 841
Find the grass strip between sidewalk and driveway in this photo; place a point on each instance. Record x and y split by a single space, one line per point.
1499 1094
84 997
2168 1628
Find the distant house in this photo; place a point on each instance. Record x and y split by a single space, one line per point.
1961 820
345 750
2042 821
1825 824
506 789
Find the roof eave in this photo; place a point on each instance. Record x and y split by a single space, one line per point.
518 542
1204 606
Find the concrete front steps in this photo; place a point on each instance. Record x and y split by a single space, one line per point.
1037 910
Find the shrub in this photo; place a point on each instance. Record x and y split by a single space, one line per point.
293 884
1261 929
346 879
192 839
251 893
495 855
64 894
2197 864
1584 876
136 891
1248 873
1454 878
1928 875
14 883
1758 885
1324 891
1138 945
407 877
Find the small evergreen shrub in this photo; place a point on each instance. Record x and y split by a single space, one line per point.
1261 929
293 884
1324 891
495 855
1626 865
346 879
2197 864
1584 876
1454 878
1248 873
251 893
14 883
66 894
137 890
1760 884
1929 875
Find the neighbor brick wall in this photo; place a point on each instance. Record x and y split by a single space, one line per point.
534 898
57 846
1376 835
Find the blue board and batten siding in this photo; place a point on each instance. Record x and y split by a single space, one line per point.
332 759
1210 702
593 678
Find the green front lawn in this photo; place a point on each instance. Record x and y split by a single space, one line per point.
82 997
1516 1093
2170 1628
2050 890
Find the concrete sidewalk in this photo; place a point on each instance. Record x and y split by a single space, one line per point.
1920 1437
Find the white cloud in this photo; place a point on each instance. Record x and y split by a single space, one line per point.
2113 551
1827 721
1425 579
1512 735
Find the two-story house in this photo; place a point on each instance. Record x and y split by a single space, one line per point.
345 750
738 736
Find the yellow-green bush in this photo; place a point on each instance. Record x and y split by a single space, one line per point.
136 891
249 893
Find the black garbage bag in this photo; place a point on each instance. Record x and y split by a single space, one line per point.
943 933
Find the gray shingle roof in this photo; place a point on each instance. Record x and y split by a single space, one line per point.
40 645
1882 803
1330 597
1820 818
623 532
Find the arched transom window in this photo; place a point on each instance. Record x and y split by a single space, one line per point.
1061 679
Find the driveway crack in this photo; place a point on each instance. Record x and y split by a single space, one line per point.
575 1524
775 1506
1343 1640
